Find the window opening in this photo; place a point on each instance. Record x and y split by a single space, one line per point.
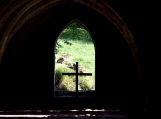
74 47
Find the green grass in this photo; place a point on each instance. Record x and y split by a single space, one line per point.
82 52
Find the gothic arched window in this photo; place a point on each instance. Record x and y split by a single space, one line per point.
74 46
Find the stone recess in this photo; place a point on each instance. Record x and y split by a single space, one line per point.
29 29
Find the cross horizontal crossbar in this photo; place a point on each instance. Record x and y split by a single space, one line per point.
87 74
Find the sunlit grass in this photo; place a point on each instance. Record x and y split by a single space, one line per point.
83 53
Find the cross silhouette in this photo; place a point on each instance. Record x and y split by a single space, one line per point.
87 74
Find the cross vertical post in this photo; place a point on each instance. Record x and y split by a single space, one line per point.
76 80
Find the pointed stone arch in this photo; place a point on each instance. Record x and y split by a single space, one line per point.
91 37
28 13
79 22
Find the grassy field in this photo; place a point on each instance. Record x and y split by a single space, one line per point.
81 51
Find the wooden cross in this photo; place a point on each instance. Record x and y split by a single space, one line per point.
87 74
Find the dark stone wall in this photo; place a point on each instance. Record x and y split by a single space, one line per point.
28 64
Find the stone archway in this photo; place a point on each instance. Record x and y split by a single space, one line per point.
69 65
30 16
